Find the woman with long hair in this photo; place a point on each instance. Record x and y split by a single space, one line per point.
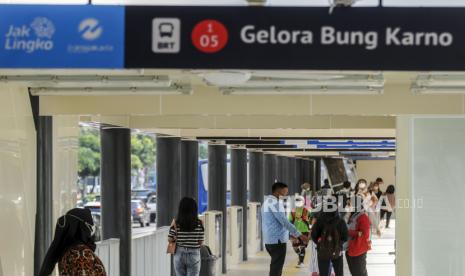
360 187
373 208
73 247
388 204
188 233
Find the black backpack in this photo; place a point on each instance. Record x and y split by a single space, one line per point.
330 246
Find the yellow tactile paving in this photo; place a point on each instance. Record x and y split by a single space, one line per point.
379 260
290 268
258 266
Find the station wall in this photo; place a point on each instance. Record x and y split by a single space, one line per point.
17 182
430 161
65 163
372 169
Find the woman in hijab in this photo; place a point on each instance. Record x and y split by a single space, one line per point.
73 247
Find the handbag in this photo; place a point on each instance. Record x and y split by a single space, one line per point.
171 249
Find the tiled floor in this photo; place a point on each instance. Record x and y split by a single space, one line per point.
380 261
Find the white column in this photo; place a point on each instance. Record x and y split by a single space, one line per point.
430 173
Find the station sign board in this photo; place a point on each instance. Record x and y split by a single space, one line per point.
281 38
295 38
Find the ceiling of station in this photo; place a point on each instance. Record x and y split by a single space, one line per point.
256 105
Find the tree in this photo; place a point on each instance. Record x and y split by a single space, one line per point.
143 153
89 153
203 151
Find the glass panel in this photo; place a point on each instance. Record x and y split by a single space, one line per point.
437 202
239 223
219 234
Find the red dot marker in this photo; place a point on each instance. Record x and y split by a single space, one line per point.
209 36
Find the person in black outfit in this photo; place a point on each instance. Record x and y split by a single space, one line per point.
330 218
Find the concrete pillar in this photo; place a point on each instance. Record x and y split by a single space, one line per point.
298 174
189 169
168 179
44 204
116 190
239 189
313 171
317 184
217 182
270 172
280 168
256 174
292 176
306 171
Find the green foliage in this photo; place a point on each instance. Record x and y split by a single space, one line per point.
89 152
143 153
203 151
89 162
136 164
143 146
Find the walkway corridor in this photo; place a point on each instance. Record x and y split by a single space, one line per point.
380 261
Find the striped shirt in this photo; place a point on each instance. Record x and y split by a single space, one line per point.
188 239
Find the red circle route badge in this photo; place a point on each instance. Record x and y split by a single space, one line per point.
209 36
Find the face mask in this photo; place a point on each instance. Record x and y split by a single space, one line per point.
92 229
299 203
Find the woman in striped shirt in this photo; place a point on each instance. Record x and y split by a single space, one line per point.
188 232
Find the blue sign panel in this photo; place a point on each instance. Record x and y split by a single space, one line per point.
61 36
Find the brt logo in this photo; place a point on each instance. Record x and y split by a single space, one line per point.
166 35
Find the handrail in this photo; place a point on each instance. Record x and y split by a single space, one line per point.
148 254
108 252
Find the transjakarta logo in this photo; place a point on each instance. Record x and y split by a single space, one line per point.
331 36
90 29
35 37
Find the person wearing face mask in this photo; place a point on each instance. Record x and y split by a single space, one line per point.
373 209
359 238
276 228
361 189
300 217
306 193
73 247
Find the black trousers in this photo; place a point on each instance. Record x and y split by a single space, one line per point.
388 216
338 266
278 256
357 265
300 250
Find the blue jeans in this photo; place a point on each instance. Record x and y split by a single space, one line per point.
187 261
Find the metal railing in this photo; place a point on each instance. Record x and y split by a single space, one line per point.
148 254
108 252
